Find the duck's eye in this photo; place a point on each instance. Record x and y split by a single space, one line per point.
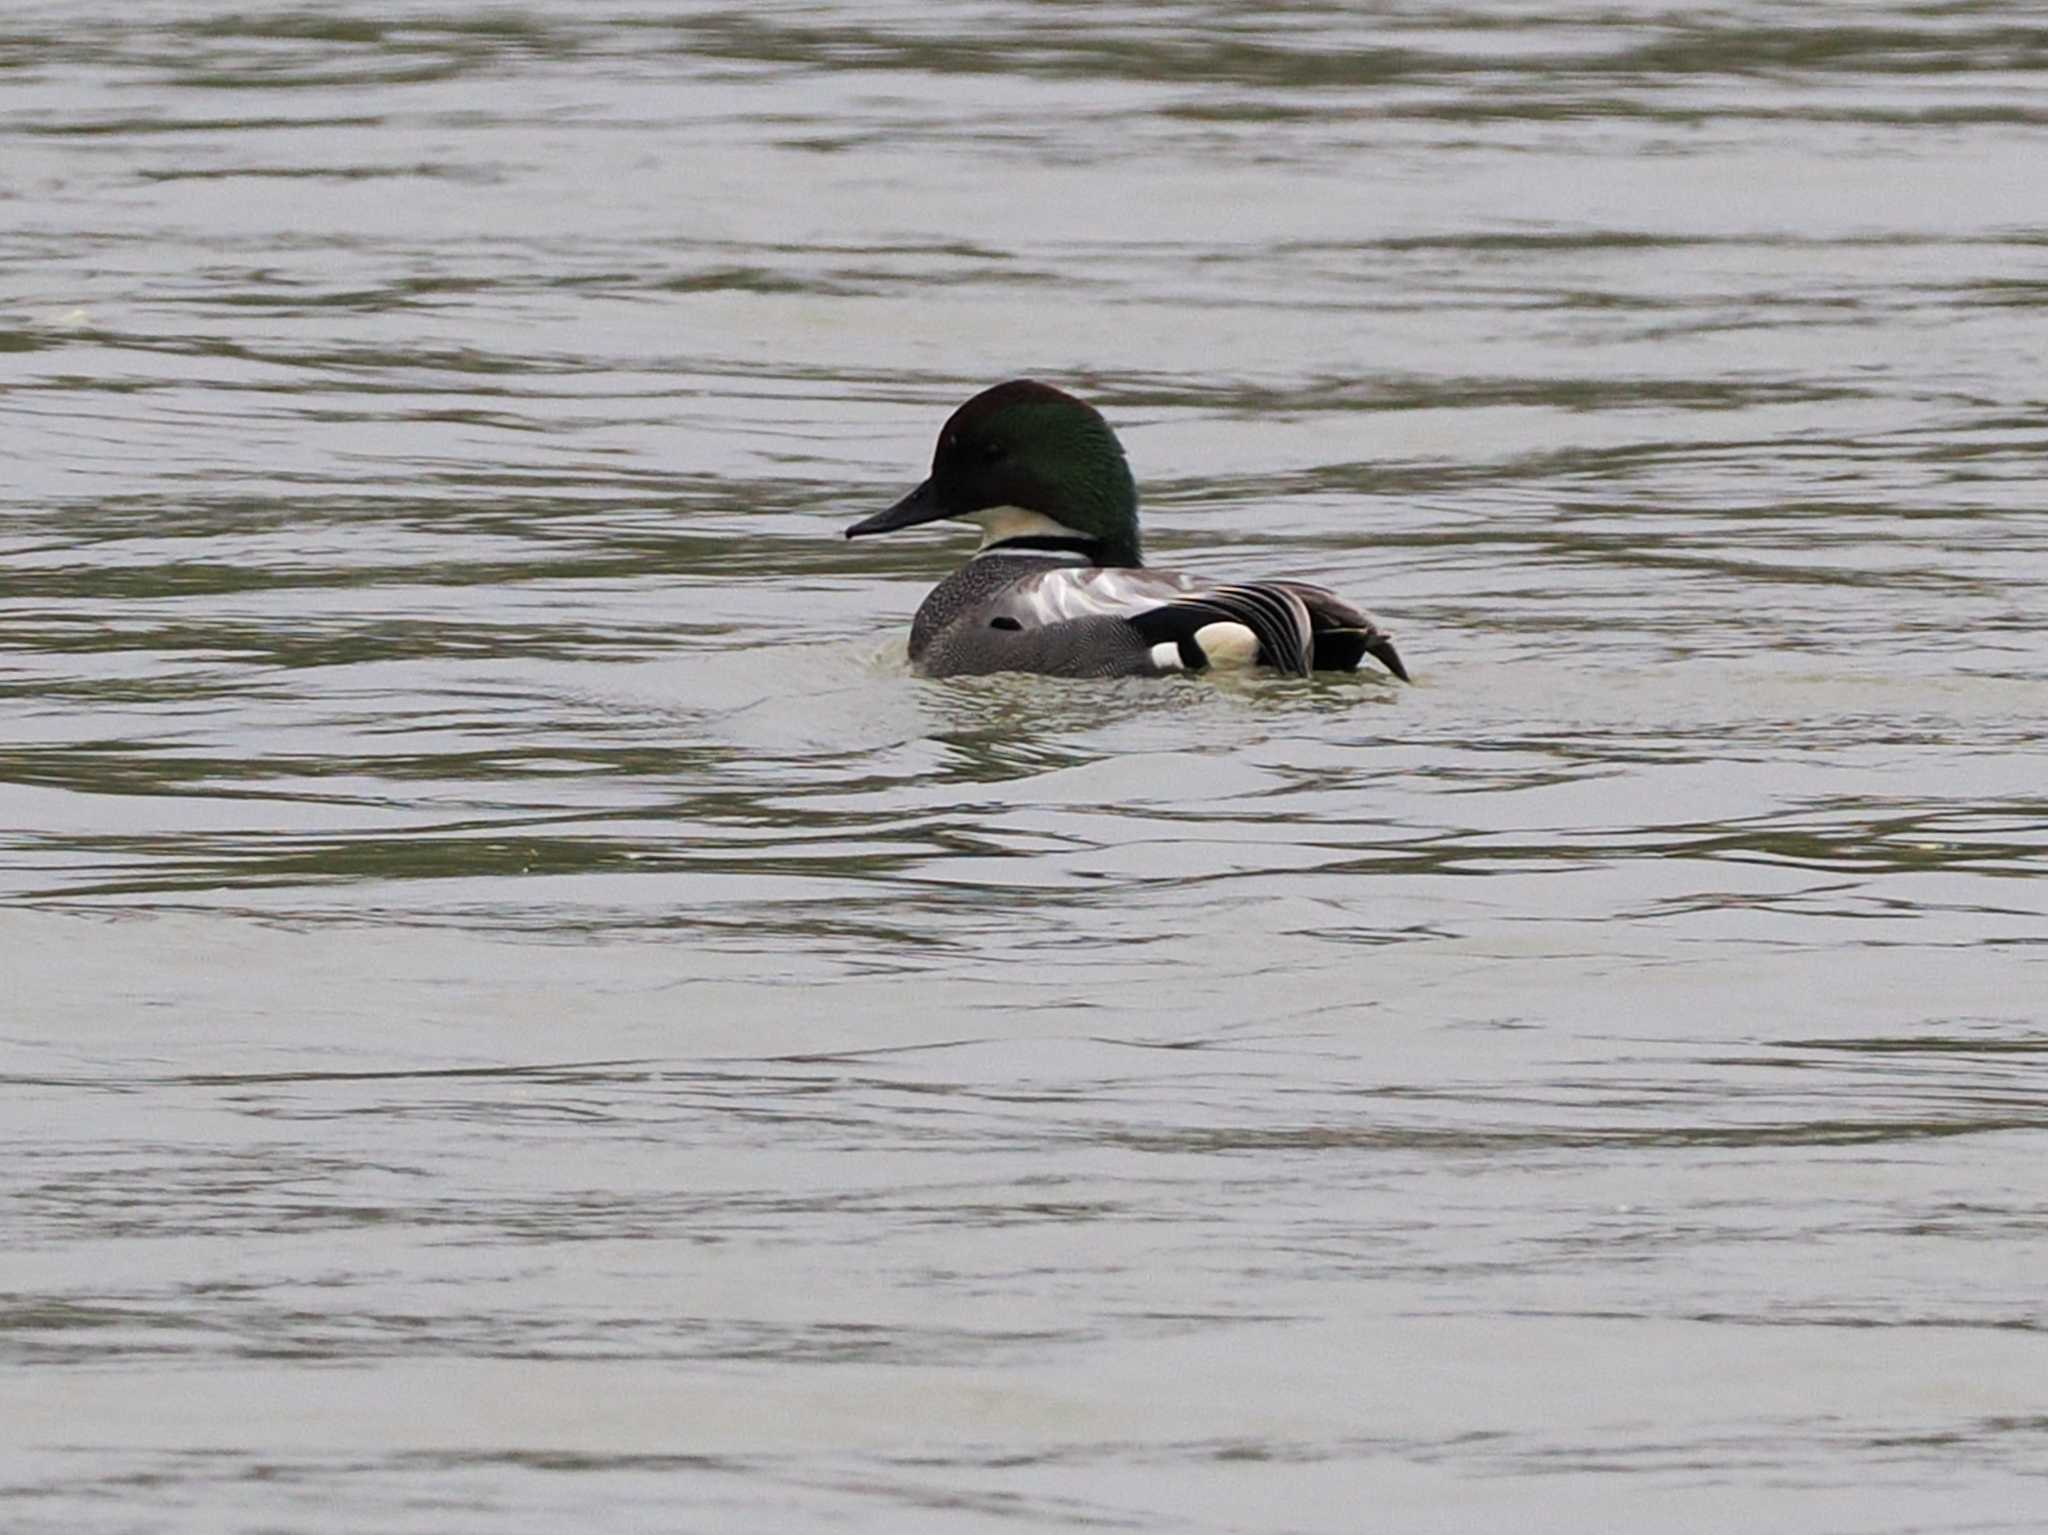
994 451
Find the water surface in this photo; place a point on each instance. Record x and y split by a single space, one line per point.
521 1013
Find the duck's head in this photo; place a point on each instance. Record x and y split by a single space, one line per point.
1034 468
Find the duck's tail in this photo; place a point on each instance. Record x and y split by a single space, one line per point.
1343 633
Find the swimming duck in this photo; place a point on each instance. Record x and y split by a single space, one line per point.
1059 585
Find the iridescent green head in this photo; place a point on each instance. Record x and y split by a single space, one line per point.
1033 466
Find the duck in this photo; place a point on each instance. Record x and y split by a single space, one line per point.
1059 585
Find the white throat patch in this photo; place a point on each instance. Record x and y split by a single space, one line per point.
998 523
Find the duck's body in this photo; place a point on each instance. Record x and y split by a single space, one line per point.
1058 586
1015 611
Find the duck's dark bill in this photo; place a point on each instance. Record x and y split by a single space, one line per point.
919 506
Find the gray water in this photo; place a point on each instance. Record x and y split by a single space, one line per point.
520 1014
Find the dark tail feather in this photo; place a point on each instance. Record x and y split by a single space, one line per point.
1340 650
1343 635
